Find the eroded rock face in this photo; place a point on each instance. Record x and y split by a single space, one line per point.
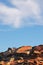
24 49
25 55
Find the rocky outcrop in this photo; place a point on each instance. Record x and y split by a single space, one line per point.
24 49
25 55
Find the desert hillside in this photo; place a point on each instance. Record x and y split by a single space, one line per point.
25 55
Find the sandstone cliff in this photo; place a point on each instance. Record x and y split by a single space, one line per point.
25 55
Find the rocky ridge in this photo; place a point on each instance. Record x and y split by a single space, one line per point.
25 55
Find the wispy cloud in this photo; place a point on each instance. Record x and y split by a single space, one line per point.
25 12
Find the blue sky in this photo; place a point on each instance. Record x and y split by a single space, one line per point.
21 23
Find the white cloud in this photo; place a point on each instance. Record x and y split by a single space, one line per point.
16 16
28 7
10 16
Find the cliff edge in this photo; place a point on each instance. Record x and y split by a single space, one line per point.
25 55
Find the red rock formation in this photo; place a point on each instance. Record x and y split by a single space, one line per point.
24 49
25 55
